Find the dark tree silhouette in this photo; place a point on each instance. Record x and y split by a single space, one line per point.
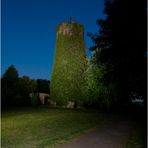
15 89
9 84
120 44
26 87
43 86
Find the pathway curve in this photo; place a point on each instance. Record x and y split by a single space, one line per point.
113 135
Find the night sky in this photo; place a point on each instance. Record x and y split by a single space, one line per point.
29 31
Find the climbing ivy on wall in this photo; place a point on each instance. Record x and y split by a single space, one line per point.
69 64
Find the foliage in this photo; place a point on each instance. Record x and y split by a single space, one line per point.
94 89
138 137
43 86
9 83
34 99
69 65
17 100
15 89
93 77
120 45
26 87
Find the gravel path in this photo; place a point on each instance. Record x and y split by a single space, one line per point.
113 135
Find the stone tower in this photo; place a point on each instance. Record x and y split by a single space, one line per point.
67 77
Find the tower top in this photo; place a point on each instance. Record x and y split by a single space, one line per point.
70 28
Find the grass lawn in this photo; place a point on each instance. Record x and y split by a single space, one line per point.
45 127
138 136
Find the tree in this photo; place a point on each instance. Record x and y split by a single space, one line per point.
26 87
93 77
44 86
15 89
96 93
9 83
120 44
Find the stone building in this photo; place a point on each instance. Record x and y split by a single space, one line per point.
69 63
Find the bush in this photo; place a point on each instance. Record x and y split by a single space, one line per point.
17 100
34 99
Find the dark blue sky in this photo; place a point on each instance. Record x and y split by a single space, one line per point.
28 31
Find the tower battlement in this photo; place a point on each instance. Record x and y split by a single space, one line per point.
67 28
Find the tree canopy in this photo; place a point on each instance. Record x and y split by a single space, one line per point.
16 90
120 44
9 83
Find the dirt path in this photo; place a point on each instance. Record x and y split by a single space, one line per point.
112 135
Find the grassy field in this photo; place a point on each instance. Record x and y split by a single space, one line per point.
138 137
45 127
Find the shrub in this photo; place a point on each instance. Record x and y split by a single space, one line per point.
34 99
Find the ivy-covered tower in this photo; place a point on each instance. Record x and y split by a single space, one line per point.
67 78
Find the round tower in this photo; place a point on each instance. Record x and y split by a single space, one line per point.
69 63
